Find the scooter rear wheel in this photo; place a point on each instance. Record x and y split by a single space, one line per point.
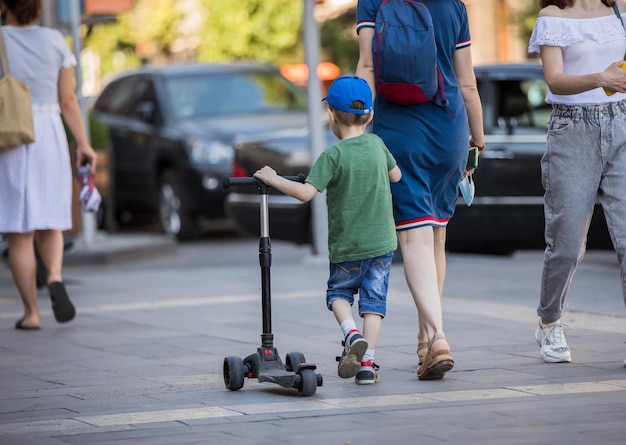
292 360
308 383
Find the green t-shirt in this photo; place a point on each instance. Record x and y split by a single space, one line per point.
355 174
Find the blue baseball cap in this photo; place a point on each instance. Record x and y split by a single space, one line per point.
346 89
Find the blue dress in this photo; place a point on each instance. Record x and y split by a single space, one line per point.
430 146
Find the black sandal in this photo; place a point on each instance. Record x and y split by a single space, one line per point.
61 305
19 325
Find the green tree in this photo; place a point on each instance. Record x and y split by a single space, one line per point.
145 32
152 26
263 30
115 54
339 41
268 31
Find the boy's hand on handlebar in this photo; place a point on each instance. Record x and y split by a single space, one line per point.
265 174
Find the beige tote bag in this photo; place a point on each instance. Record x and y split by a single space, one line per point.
16 114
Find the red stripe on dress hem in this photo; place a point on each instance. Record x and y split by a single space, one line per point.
419 222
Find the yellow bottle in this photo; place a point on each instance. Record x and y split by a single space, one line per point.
611 92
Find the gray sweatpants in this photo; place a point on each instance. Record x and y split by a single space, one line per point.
585 161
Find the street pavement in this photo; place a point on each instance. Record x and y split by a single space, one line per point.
142 361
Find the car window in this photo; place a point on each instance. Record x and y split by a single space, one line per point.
132 97
144 104
118 96
517 107
232 93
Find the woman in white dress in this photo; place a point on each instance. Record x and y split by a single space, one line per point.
582 45
36 179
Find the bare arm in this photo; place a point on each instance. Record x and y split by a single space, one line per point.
395 174
464 70
365 65
74 120
612 77
304 192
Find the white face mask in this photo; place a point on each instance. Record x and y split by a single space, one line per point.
467 189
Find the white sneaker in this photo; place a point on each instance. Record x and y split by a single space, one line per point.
551 338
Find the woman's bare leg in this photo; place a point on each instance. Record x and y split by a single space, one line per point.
24 270
50 245
439 245
424 275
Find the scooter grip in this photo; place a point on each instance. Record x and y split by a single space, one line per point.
300 177
228 182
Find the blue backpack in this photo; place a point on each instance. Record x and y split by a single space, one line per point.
405 54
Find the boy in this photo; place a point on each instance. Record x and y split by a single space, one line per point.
361 232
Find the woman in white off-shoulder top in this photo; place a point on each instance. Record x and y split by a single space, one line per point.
36 179
582 45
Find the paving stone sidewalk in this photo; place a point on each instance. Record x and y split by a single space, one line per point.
142 361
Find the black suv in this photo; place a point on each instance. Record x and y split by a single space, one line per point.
171 132
507 212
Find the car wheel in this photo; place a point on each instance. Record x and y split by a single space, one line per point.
173 214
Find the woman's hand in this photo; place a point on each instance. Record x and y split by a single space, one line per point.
614 77
85 153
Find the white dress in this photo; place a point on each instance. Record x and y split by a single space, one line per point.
36 179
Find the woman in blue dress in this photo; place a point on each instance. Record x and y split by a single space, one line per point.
431 148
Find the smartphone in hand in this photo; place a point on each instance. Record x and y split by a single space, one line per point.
472 159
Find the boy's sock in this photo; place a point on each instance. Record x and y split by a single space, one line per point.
369 355
348 326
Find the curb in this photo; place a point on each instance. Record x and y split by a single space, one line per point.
118 248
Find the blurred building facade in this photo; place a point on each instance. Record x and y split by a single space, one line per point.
57 13
496 36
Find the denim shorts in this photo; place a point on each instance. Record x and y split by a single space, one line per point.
369 277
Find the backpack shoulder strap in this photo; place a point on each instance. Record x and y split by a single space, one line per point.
619 15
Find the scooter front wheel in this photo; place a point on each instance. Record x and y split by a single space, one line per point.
234 373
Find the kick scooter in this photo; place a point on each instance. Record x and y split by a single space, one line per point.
265 364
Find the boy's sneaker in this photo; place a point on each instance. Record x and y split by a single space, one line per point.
551 338
367 374
350 361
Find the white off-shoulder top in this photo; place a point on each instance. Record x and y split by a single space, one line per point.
589 46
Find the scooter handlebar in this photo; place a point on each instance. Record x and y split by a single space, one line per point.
228 182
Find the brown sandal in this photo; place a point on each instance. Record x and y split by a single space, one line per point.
422 350
435 365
